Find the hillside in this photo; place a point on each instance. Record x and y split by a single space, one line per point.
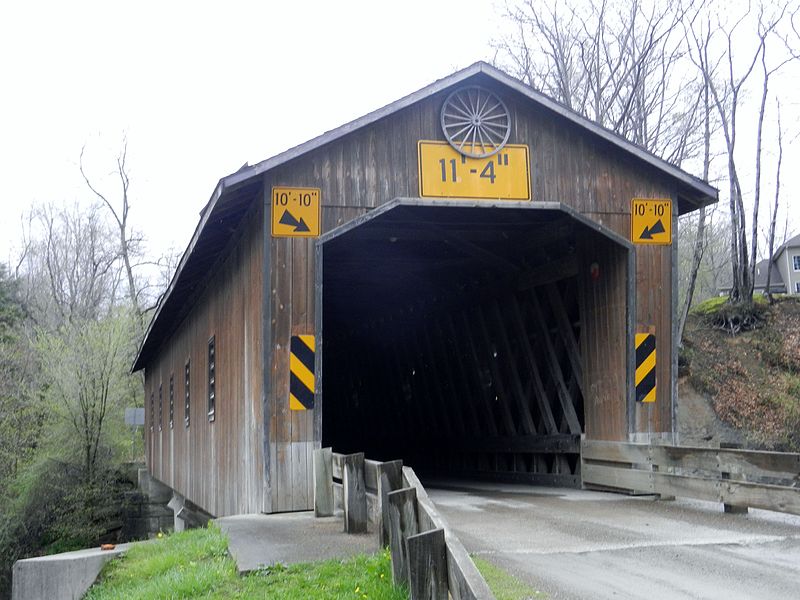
742 388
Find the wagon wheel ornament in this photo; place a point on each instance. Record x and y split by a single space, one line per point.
475 122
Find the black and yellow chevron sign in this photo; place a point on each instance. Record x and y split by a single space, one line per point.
301 367
645 367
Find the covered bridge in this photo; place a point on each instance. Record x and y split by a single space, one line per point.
469 279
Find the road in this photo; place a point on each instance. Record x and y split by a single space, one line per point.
575 544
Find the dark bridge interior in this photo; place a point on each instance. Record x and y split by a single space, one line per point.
452 340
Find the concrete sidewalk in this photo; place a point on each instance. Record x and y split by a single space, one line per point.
261 540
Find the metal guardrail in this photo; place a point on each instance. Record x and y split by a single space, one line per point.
426 554
737 478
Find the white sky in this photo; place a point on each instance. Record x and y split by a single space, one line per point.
201 87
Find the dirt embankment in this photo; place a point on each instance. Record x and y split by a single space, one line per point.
745 388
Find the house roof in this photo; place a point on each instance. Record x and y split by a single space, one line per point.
760 280
792 242
233 193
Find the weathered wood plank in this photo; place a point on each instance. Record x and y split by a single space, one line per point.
615 451
530 478
427 565
402 517
617 477
542 400
464 580
555 369
553 271
355 494
566 332
430 390
485 343
736 493
323 482
390 478
750 464
518 393
450 352
337 465
453 410
533 444
747 463
371 474
474 369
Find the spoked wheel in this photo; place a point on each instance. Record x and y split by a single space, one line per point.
475 122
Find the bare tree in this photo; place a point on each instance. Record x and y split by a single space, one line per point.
727 83
617 64
69 271
700 238
120 215
774 211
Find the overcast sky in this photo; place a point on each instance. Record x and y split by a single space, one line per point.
199 90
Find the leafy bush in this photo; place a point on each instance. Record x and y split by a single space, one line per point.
53 507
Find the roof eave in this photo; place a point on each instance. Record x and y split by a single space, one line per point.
702 191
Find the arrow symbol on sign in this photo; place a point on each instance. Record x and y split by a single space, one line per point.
648 232
288 219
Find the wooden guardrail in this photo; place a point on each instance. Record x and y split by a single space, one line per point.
737 478
426 555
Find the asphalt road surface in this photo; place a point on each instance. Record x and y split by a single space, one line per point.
574 544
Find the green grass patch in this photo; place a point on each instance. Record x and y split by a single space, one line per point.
504 585
195 564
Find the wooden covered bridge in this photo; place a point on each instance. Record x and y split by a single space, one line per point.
470 279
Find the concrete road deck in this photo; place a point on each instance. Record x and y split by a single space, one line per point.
262 540
574 544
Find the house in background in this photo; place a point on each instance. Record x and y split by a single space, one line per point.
785 277
787 261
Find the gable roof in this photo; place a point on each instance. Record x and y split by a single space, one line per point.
692 190
793 242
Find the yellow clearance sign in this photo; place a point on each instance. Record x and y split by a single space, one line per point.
295 212
651 221
446 173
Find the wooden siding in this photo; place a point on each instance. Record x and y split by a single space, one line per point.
220 466
379 163
217 465
603 303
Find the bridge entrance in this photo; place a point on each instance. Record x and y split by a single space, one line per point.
474 340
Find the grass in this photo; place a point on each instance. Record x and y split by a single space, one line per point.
504 585
195 564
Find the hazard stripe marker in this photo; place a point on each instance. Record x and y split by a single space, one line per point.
645 367
301 368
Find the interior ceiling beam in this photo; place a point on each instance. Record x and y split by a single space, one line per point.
474 251
556 270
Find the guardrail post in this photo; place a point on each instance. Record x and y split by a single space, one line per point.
402 524
731 508
323 482
354 496
390 478
427 565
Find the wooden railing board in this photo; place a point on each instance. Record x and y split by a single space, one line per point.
751 463
426 553
727 475
464 581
